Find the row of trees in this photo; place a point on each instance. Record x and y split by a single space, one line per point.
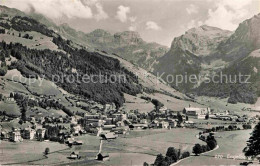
229 128
172 156
211 144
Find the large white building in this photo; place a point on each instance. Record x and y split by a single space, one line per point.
198 113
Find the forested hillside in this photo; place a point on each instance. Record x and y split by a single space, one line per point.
75 62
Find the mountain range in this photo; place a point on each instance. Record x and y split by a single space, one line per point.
202 51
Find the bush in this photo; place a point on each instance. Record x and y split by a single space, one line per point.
211 144
3 71
204 148
197 149
2 31
159 160
173 154
247 126
185 155
47 151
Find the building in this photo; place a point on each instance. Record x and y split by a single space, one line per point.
89 116
198 113
76 129
74 155
28 133
110 135
138 126
154 124
15 136
40 133
144 121
163 125
102 157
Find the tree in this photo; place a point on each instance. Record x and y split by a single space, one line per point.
185 154
253 144
47 151
211 144
197 149
173 154
159 160
204 148
247 126
179 117
207 116
3 71
145 164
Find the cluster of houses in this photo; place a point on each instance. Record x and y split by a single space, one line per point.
115 122
18 135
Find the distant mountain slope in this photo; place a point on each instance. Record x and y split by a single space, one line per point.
235 90
187 53
47 52
201 41
243 41
68 61
241 51
129 45
207 51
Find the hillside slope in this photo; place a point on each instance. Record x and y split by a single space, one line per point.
41 51
187 53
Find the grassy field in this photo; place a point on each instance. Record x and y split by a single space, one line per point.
26 152
39 41
10 108
231 144
134 149
221 104
133 103
173 103
13 81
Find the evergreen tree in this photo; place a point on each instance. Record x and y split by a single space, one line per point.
197 149
159 160
179 117
253 144
172 153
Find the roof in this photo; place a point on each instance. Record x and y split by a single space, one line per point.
192 109
75 152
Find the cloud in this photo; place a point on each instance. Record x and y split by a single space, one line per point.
193 24
56 9
152 25
132 19
122 12
192 9
227 14
132 28
101 14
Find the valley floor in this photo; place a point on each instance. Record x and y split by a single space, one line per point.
133 149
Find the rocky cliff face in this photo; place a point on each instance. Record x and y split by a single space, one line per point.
209 50
244 40
128 38
128 45
201 41
187 53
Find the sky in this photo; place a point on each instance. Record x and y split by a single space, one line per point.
155 20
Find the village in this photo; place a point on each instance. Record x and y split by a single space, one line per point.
107 122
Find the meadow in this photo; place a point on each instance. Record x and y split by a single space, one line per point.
231 144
